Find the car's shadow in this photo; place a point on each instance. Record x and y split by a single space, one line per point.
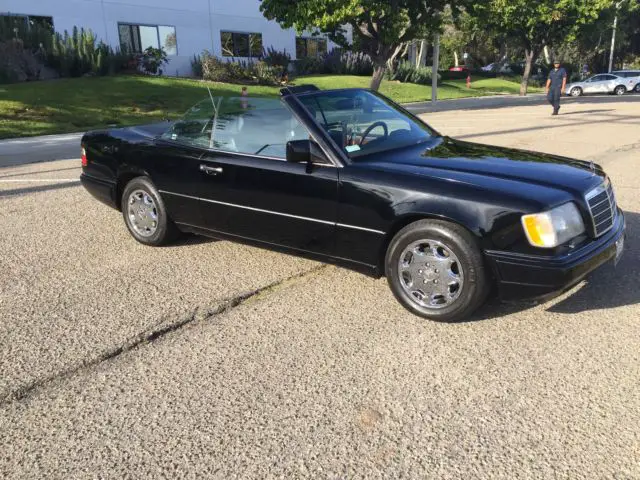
607 287
191 239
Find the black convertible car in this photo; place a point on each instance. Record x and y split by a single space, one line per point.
349 177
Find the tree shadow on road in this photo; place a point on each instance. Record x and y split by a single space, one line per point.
571 123
606 287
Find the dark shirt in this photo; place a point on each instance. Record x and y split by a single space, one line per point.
556 77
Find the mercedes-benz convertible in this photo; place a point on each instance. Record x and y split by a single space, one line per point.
349 177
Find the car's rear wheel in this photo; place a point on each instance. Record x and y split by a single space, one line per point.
145 214
576 92
436 270
620 90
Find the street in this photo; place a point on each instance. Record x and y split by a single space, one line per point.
209 358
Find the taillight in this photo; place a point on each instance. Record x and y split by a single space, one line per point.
83 157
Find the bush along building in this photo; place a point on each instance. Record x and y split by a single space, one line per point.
228 30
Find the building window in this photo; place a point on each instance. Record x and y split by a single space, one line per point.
10 22
236 44
310 47
137 38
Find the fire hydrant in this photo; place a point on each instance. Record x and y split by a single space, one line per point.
469 80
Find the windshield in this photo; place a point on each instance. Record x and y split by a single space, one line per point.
362 123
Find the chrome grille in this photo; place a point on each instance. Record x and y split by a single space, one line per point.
602 206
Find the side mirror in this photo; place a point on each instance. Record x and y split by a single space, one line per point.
305 151
299 151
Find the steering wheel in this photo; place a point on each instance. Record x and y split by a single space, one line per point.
371 127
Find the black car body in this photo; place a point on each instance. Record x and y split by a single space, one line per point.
326 196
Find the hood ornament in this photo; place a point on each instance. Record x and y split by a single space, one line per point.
592 166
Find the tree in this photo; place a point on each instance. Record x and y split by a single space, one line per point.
381 28
466 35
536 24
592 43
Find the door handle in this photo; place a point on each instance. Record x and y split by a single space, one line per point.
211 170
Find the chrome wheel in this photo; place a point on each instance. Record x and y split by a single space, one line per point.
430 273
142 212
576 92
620 90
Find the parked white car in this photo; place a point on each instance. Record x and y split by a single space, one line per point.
631 75
602 83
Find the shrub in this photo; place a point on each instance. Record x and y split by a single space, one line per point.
213 68
79 54
357 63
332 63
196 66
309 66
275 58
266 74
336 62
152 60
238 71
449 75
33 37
16 63
259 72
408 72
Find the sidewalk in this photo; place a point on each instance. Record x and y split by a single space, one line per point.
18 151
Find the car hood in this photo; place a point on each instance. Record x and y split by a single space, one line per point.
465 161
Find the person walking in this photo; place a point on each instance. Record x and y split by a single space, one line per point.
556 84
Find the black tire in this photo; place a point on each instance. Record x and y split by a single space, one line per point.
576 92
476 281
637 88
165 230
620 90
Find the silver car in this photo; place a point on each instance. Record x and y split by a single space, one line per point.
631 75
602 83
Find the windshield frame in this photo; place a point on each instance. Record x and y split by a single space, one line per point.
432 134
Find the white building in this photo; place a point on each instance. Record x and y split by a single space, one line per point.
227 28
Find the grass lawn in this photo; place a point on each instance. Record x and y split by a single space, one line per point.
79 104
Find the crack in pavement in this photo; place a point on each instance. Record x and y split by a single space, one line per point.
152 334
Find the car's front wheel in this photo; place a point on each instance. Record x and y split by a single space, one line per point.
576 92
620 90
637 88
436 270
145 214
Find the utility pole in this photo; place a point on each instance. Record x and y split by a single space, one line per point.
613 36
434 69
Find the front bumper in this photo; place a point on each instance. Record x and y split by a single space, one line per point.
528 277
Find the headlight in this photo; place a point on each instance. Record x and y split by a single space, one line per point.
553 228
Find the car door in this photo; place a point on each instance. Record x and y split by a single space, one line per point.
259 194
177 168
604 84
610 83
175 174
593 84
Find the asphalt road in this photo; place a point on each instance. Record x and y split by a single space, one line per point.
210 359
